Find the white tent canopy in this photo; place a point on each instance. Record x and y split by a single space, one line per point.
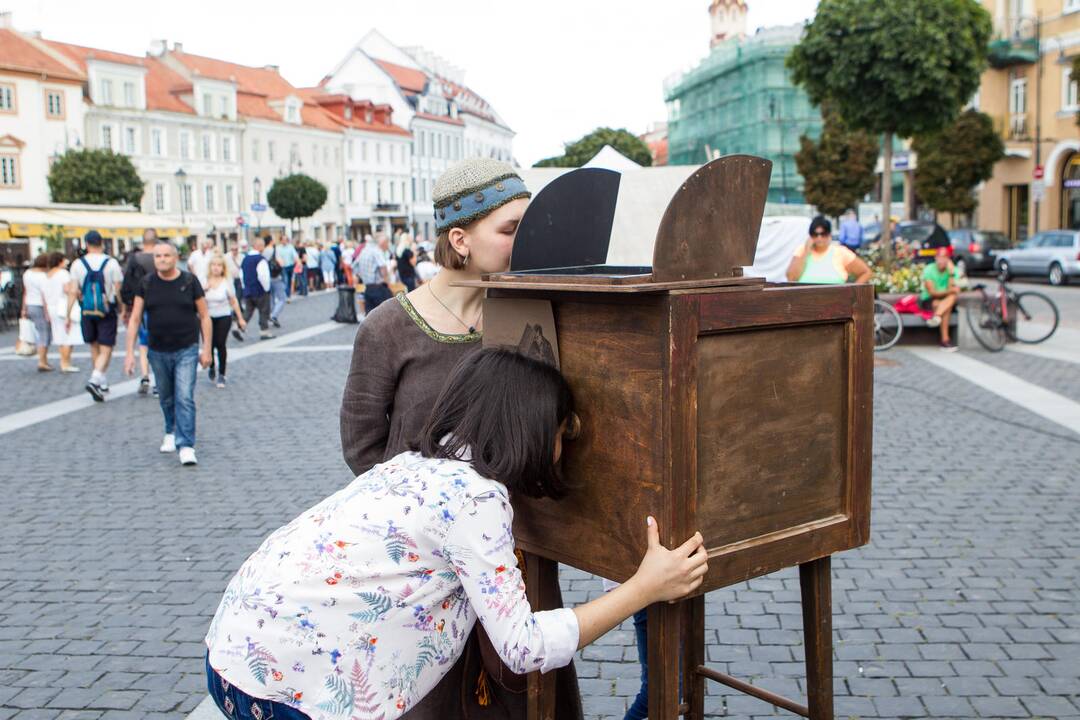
611 159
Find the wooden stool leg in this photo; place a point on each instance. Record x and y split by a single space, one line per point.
815 580
664 622
541 574
693 657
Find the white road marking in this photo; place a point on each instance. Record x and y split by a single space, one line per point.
310 348
1045 403
48 411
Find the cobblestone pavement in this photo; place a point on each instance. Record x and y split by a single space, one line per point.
113 557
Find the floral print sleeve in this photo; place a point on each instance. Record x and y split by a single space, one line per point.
480 547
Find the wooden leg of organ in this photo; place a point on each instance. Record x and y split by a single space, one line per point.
815 580
541 575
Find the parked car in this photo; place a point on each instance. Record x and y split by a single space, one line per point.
924 237
1053 254
976 250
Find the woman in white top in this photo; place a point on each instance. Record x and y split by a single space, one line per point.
221 303
358 607
66 327
35 310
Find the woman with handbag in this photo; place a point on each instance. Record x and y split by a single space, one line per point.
35 312
402 356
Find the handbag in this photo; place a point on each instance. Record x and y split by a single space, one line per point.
27 339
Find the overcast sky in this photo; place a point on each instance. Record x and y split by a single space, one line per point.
553 69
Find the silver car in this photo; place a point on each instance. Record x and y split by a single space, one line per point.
1053 254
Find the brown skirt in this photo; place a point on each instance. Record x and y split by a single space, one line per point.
456 697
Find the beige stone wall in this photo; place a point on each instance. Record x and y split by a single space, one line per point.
1059 132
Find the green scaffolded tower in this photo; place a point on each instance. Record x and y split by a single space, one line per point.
740 99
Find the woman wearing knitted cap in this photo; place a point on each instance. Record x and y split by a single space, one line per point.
403 353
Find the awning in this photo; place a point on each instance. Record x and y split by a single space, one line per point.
74 223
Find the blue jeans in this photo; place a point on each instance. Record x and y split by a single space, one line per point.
301 282
175 374
639 710
235 703
287 273
277 296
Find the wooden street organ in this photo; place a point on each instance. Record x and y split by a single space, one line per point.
712 401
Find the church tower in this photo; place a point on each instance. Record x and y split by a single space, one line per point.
728 20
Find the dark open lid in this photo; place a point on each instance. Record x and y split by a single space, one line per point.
568 223
712 223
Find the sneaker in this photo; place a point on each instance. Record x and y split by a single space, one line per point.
221 382
155 391
104 387
267 335
187 456
237 335
935 321
168 444
70 369
144 386
275 323
212 373
948 347
95 392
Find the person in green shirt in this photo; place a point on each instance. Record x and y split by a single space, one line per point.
939 294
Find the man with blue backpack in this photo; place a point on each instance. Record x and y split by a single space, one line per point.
97 277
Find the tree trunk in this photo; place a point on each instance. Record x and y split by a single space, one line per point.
886 200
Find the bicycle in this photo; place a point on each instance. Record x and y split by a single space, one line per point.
888 327
1028 317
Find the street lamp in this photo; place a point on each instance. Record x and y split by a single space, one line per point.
181 176
257 185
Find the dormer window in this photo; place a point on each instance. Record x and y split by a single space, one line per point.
348 112
292 112
367 116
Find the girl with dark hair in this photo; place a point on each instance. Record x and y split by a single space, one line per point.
361 605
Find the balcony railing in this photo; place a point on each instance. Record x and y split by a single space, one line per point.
1018 128
1014 43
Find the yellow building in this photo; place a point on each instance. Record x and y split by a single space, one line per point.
1030 93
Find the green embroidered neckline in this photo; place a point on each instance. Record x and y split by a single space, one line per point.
432 332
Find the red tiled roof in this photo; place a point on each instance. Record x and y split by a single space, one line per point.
256 88
329 101
163 86
80 54
440 118
408 79
20 54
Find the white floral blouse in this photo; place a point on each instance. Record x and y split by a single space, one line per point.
358 607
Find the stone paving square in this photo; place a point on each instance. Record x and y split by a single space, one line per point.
113 557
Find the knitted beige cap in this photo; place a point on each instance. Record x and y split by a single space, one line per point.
472 189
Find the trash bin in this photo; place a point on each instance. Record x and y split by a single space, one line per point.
346 309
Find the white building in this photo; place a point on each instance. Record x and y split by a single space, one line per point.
281 133
378 163
183 138
428 97
41 115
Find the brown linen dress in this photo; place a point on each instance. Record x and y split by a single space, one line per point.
399 366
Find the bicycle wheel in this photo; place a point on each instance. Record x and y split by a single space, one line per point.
987 327
1036 317
887 325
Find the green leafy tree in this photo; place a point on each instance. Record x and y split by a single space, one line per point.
582 151
954 160
97 177
838 169
296 196
896 68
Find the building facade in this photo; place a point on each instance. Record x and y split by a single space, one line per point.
428 97
282 133
740 99
41 115
183 139
1030 93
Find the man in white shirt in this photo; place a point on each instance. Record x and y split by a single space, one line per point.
97 278
199 260
255 274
